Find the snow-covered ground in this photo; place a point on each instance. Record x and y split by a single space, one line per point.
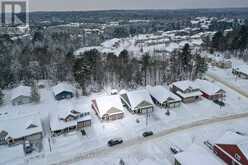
227 76
166 42
66 146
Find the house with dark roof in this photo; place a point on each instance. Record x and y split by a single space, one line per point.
63 91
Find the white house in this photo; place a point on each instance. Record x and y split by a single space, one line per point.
70 118
163 97
138 101
187 90
21 95
196 155
16 130
108 107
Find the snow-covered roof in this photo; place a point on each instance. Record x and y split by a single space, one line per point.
207 87
21 91
63 86
21 126
63 112
196 155
162 94
191 94
105 103
186 84
137 97
235 139
242 68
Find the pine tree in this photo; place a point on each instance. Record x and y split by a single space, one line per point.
1 97
35 94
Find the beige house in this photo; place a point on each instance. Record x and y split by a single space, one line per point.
108 107
187 90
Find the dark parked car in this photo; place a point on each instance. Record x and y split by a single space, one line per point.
149 133
220 103
175 149
28 147
115 141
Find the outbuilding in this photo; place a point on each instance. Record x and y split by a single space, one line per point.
138 101
108 107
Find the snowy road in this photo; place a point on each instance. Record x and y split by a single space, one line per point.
107 150
226 83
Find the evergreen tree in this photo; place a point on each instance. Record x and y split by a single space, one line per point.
1 97
35 93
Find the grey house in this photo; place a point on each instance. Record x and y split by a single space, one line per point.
21 95
138 101
63 91
17 130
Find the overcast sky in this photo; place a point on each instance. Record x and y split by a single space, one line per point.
73 5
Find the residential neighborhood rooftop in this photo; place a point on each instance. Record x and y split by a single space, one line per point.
21 91
63 86
196 155
21 126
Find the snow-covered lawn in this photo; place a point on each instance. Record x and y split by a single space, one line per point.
69 145
226 75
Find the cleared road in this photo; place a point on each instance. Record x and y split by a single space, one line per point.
107 150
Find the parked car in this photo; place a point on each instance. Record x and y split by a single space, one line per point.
28 147
220 103
115 141
114 92
175 149
148 133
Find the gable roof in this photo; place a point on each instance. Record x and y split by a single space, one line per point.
233 138
208 87
62 87
23 123
196 155
162 94
21 91
186 84
63 112
108 104
138 97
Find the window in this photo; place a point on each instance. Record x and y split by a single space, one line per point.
237 157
